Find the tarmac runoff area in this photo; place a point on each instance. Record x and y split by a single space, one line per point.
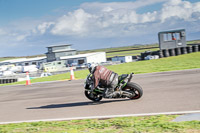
188 117
166 93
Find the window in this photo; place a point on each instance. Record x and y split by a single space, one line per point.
177 36
26 64
81 61
33 63
167 37
171 36
50 50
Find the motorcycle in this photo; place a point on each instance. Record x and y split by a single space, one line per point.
124 89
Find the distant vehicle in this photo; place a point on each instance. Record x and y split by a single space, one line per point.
8 73
16 69
3 68
106 63
151 57
45 74
73 64
31 68
84 65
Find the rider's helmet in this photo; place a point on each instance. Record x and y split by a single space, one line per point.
91 67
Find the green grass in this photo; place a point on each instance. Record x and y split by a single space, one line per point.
6 58
131 52
147 124
181 62
119 48
193 42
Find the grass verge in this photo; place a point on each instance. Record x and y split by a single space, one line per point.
147 124
182 62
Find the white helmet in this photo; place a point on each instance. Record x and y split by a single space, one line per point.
91 67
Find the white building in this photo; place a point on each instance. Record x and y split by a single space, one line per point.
79 59
122 59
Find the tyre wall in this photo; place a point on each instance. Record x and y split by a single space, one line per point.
5 81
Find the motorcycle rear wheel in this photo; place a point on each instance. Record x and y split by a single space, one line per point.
92 96
135 89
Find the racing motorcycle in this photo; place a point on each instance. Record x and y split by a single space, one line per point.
124 89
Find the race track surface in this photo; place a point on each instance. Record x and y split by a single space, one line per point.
163 92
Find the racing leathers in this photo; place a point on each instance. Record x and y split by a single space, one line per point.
106 78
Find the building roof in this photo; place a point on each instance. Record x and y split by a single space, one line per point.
172 31
61 50
59 45
79 56
23 60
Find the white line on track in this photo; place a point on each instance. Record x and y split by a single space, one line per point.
106 116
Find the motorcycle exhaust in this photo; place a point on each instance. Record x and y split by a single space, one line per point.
122 94
127 94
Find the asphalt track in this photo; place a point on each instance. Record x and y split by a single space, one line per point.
175 91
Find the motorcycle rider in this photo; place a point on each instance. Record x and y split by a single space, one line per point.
105 77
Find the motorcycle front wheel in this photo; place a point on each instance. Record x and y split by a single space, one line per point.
135 89
94 97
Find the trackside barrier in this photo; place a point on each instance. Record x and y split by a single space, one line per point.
195 48
177 51
189 49
5 81
160 53
166 53
172 52
183 50
199 47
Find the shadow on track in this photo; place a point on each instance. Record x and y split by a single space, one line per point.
51 106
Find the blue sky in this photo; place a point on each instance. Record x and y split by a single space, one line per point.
27 27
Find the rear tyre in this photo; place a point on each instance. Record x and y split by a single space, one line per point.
94 97
135 89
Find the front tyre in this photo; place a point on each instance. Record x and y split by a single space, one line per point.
135 89
92 96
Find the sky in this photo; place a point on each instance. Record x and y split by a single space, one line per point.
27 27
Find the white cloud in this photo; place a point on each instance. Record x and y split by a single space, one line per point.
113 19
176 8
106 7
96 21
43 27
196 7
73 23
2 32
121 18
21 37
183 10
